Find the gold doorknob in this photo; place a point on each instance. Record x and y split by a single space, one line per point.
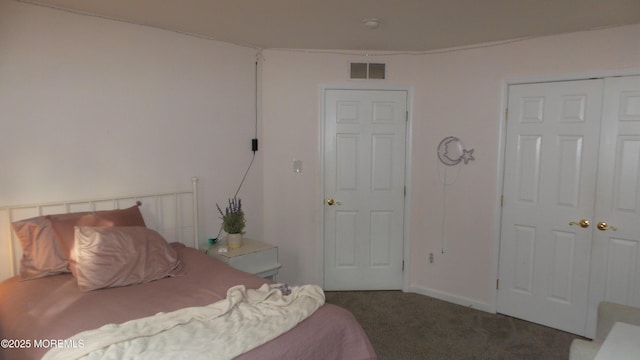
584 223
602 226
330 202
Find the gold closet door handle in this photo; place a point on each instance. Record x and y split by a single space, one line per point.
331 202
602 226
584 223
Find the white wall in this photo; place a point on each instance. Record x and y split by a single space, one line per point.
91 107
458 93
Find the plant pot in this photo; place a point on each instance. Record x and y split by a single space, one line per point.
234 241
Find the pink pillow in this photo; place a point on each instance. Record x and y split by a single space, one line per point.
120 256
41 253
63 224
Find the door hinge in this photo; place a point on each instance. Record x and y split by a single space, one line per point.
405 191
497 284
403 265
506 114
501 200
406 116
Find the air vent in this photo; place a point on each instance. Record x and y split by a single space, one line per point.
368 71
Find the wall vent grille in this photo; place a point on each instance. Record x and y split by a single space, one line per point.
368 71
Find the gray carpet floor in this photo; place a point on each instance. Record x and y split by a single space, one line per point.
406 326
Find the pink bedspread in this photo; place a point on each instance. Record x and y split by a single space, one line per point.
53 308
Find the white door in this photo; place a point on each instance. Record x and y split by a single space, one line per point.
550 161
572 155
364 186
615 266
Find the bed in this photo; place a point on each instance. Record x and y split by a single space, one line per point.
62 311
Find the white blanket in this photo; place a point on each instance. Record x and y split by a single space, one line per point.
222 330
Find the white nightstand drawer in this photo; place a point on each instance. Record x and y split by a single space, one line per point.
254 257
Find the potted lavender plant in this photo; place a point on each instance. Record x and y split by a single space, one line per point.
233 222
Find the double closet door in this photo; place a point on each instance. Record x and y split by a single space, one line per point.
570 231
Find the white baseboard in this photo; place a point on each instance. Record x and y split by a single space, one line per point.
455 299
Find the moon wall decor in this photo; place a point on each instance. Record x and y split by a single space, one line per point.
452 152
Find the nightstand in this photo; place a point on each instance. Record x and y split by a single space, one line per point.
255 257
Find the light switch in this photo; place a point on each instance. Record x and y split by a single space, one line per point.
297 166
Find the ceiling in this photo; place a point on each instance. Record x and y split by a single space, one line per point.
405 25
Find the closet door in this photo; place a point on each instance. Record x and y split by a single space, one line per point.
551 160
615 265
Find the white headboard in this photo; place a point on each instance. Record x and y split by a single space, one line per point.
173 214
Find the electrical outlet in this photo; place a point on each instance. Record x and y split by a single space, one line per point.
431 258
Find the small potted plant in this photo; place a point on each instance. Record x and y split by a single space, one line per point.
233 222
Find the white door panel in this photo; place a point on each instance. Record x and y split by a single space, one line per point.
572 153
551 156
364 166
615 273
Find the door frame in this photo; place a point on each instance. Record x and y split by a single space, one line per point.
406 244
506 82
